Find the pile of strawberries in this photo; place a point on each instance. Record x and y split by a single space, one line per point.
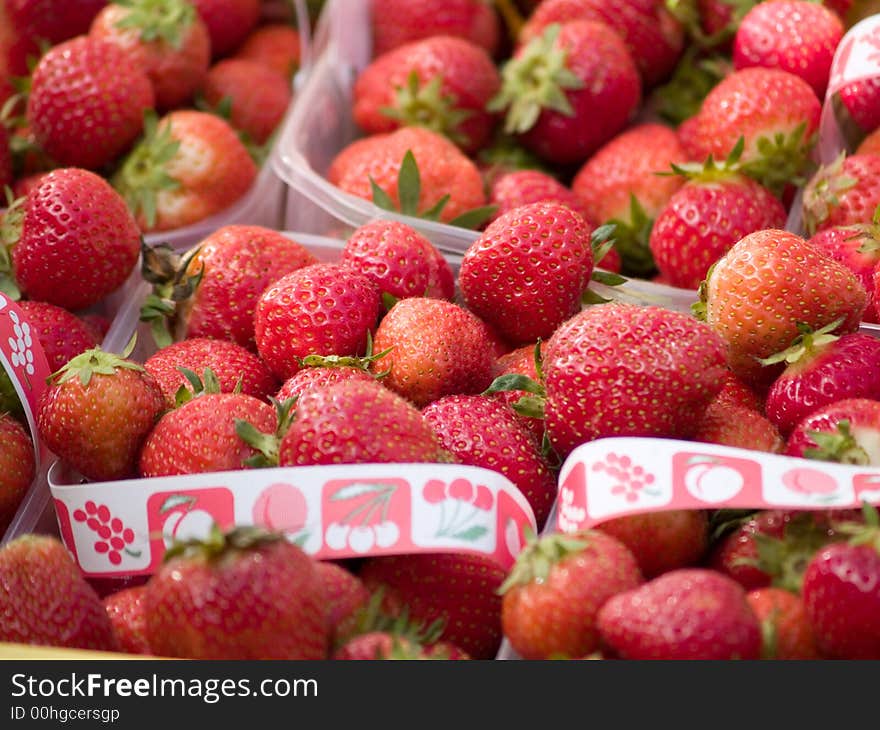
263 355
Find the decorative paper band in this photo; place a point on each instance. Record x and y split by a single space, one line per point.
124 527
612 477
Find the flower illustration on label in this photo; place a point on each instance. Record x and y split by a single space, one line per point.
460 504
631 480
811 483
113 536
366 525
571 516
282 507
711 481
21 344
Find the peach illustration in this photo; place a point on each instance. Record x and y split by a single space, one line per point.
712 482
281 507
809 481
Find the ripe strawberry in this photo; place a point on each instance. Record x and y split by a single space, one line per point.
168 40
785 627
653 35
434 348
459 589
316 376
86 102
527 271
395 22
735 392
344 596
38 578
843 431
862 101
387 645
481 431
690 613
321 309
17 467
552 87
662 541
803 37
96 411
516 188
273 44
61 334
523 361
842 193
761 289
255 96
229 22
553 594
399 260
629 353
444 170
729 424
354 422
243 594
126 611
73 241
188 166
234 366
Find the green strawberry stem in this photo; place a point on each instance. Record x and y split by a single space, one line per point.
826 187
839 446
267 444
782 160
361 362
424 105
631 240
218 543
166 270
165 20
806 343
95 361
538 556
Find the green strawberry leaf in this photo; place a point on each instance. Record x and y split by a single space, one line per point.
475 217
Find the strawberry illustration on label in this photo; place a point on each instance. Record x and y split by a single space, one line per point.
362 517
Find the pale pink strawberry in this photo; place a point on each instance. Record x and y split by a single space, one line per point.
845 431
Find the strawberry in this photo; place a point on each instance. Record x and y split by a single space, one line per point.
61 334
554 591
521 187
441 82
353 422
188 166
735 392
96 412
758 292
803 37
38 578
243 594
387 645
17 467
481 431
526 272
320 309
255 96
318 375
729 424
6 171
862 102
229 22
273 44
457 588
395 22
628 354
523 361
552 87
399 260
785 628
842 193
653 35
841 592
444 171
774 111
662 541
73 241
344 596
689 613
234 366
86 102
165 38
434 348
843 431
126 611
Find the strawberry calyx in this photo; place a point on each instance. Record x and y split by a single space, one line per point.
207 384
411 635
540 554
840 446
711 171
631 240
173 286
426 105
505 154
361 362
10 233
807 344
867 233
165 20
222 544
695 75
824 192
781 160
862 533
534 80
267 444
95 361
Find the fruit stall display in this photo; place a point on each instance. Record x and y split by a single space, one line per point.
512 377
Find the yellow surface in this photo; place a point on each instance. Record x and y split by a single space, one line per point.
22 651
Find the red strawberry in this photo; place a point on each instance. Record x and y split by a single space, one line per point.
17 467
444 170
785 627
188 166
554 592
229 22
434 348
793 35
243 594
729 424
126 611
86 103
96 412
6 171
234 366
526 273
273 44
167 40
344 596
480 431
73 239
38 578
735 392
862 101
395 22
844 431
318 375
761 289
441 82
61 334
628 353
321 309
255 96
387 645
521 187
399 260
459 589
690 613
652 34
552 87
842 193
662 541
